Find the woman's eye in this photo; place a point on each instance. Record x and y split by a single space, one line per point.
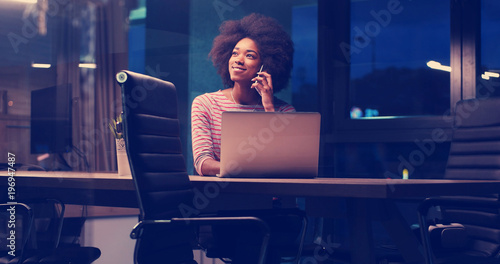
235 53
251 56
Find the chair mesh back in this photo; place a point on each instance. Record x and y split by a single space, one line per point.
475 148
153 145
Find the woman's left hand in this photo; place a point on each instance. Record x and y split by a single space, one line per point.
264 86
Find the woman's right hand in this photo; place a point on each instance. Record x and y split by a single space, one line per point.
210 167
264 85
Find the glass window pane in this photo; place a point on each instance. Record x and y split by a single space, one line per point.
57 95
489 69
304 81
400 57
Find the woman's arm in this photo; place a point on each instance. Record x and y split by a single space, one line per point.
201 137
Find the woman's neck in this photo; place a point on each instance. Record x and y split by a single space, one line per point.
245 95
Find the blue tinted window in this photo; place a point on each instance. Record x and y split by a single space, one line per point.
400 57
489 68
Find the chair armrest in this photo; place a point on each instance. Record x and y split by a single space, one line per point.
137 230
467 202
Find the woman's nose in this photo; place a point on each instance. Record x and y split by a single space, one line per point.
239 60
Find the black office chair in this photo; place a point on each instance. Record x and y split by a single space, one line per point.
48 241
41 236
467 229
166 230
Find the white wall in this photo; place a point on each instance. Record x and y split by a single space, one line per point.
112 236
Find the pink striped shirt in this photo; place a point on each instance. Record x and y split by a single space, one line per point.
206 117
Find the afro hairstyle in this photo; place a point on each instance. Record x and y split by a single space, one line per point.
274 44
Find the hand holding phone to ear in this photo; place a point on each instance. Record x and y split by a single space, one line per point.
261 67
264 85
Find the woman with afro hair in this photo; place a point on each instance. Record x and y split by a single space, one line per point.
254 58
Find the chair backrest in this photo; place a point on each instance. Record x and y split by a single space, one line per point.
48 217
152 138
151 131
475 154
475 146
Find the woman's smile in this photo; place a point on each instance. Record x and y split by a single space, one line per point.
239 69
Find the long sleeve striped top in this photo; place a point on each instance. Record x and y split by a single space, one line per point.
206 117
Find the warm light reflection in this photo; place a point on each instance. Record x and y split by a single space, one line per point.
46 65
405 175
437 66
87 65
24 1
40 65
381 117
493 74
487 75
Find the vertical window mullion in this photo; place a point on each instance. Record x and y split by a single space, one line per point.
470 46
455 53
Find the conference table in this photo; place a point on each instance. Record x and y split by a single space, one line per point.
361 196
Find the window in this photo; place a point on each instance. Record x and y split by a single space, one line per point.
399 58
489 67
63 54
391 83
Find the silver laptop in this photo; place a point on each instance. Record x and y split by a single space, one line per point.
270 145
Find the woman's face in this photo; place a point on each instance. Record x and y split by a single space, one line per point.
245 61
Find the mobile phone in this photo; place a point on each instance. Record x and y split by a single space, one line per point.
261 67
